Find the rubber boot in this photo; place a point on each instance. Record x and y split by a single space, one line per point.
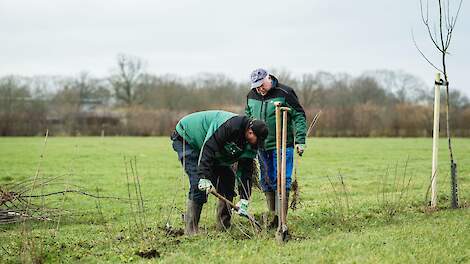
224 215
192 216
271 219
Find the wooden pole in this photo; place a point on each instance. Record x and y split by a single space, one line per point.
234 206
227 201
435 142
283 169
278 161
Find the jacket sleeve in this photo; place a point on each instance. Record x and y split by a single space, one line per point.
212 145
245 171
298 117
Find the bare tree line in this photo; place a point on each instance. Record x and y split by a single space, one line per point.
130 101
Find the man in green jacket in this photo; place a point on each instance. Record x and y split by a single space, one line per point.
208 143
265 91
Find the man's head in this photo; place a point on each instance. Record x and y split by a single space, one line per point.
261 80
256 133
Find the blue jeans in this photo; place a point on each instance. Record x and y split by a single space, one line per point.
268 169
222 177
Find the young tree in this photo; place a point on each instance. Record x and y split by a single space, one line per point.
441 41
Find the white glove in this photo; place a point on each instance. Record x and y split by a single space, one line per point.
205 185
243 207
300 149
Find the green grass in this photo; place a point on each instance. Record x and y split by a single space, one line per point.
368 219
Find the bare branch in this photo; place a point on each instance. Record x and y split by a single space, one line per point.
433 39
453 23
448 37
435 33
448 15
422 54
440 30
73 191
446 12
425 20
454 20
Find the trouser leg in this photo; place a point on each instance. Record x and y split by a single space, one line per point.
189 158
267 178
225 184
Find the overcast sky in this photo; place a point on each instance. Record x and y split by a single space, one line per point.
231 37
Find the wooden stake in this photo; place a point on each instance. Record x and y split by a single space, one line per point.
283 169
278 161
435 142
282 233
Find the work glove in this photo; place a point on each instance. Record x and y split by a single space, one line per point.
300 149
243 207
205 185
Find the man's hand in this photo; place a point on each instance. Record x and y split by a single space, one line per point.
243 207
300 149
205 185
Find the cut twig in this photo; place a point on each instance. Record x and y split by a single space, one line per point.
313 123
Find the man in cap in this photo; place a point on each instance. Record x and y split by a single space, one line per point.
208 143
265 91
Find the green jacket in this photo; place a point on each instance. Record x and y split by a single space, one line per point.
197 128
262 107
219 137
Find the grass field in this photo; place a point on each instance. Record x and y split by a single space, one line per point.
363 200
